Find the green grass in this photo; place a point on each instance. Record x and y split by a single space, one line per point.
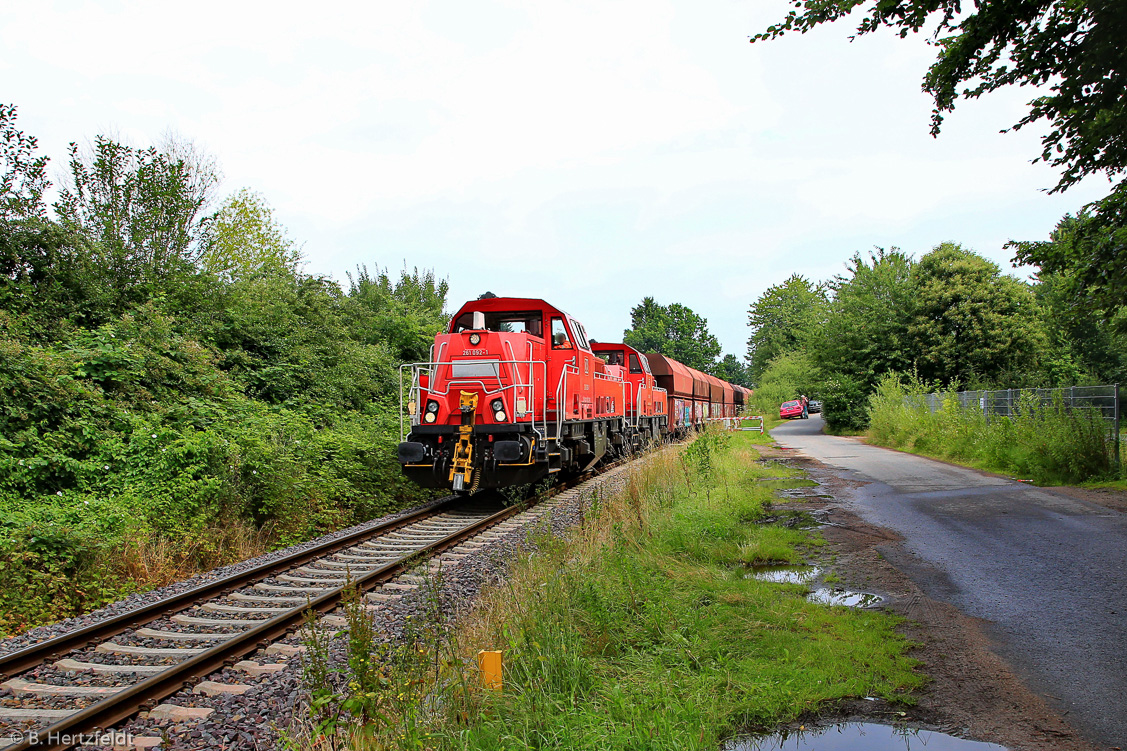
773 545
644 631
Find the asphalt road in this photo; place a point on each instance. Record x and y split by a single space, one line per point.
1048 572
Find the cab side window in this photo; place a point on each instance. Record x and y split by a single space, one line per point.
580 334
560 339
634 366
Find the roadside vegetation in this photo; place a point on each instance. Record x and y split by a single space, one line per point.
1048 444
642 629
175 392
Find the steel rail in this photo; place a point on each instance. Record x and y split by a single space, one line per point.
29 657
99 717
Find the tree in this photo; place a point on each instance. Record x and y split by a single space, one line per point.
1083 346
732 370
23 176
780 320
1075 46
866 329
405 314
244 238
1089 248
145 208
675 331
969 322
785 377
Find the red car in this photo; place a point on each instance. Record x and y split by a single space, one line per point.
794 408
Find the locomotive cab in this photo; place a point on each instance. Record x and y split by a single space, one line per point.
512 394
646 415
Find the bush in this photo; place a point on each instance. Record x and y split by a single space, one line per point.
845 405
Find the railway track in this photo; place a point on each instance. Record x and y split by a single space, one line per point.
76 686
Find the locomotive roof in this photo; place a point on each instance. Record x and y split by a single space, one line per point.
625 347
508 303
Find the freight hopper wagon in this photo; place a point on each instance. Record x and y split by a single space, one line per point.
512 394
695 398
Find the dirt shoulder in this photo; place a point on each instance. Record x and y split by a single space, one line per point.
971 691
1111 498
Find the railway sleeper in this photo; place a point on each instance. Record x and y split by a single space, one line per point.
285 650
189 620
176 713
253 598
69 665
153 633
336 566
379 558
330 575
282 588
213 608
258 668
402 587
412 536
328 583
381 597
215 688
113 648
17 686
34 713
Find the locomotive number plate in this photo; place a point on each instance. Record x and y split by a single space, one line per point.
475 352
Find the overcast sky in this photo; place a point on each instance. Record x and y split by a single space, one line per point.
591 153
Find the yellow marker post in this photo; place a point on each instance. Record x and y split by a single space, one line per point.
489 663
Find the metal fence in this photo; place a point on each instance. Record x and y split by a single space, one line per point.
1100 402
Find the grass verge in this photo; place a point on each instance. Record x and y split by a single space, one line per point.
642 629
1048 444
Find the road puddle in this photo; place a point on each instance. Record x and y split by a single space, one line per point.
859 736
828 596
785 574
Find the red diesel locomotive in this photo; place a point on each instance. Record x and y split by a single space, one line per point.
515 392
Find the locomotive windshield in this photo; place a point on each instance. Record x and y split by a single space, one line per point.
523 322
609 356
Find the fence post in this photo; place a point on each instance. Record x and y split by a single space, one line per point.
1115 421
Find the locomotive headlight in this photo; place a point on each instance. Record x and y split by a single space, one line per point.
498 405
499 416
429 417
475 339
432 407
